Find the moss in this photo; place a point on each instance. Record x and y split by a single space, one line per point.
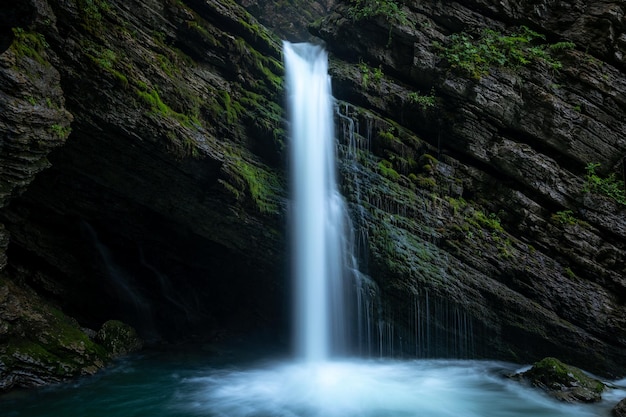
262 63
199 27
23 350
269 68
258 33
554 374
570 274
456 204
152 98
265 115
389 10
385 168
261 183
61 349
167 66
106 59
387 137
68 337
427 183
230 188
504 249
232 109
30 44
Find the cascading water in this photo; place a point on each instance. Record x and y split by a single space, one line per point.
318 213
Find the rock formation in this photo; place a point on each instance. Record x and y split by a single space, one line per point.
143 174
563 382
485 198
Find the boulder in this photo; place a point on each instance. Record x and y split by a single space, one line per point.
564 382
118 338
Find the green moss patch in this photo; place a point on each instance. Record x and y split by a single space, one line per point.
30 44
255 180
565 382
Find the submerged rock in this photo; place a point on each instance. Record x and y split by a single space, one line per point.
564 382
620 409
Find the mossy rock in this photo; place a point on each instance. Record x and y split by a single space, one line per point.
39 344
118 338
564 382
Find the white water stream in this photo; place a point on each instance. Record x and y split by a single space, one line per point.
318 213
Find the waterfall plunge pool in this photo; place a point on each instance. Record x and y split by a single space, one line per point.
190 385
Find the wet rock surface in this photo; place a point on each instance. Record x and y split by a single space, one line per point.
620 409
483 199
563 382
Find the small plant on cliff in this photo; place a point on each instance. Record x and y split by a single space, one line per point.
424 102
608 186
475 55
490 221
369 9
565 217
92 9
389 10
367 73
60 131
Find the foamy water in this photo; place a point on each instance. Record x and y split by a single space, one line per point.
425 388
192 385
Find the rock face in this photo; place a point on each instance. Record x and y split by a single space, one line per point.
143 173
289 19
482 203
161 208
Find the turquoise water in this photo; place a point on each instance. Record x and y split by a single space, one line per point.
183 384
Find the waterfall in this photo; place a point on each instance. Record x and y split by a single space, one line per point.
319 214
